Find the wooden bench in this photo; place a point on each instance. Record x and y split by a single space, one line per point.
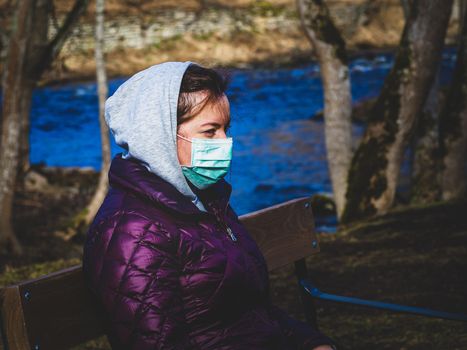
56 311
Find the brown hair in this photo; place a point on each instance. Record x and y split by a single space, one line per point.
195 79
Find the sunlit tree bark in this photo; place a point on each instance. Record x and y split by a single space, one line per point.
330 50
376 164
102 91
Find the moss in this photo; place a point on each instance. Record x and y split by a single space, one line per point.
266 9
14 275
100 343
366 180
203 36
168 43
322 205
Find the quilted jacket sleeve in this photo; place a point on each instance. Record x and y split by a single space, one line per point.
139 286
299 334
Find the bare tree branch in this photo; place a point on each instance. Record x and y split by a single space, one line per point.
102 91
56 44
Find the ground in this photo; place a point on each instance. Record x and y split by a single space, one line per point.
413 256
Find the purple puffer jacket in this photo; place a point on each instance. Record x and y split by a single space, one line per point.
169 276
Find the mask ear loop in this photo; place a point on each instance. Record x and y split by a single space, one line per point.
183 138
231 161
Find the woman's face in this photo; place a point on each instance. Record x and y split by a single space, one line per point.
211 122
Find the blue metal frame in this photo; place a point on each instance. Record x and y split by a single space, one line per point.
316 293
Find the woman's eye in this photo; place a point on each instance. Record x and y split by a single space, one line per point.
210 132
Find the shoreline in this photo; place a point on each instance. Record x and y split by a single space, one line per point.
292 61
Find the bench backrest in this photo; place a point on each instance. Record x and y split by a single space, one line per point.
56 311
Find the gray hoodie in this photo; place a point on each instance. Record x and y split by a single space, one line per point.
142 116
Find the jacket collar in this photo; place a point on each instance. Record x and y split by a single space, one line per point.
216 197
131 175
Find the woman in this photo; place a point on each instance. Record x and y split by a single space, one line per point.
166 256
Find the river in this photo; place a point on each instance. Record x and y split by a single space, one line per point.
279 151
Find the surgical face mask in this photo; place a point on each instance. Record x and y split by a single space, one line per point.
210 160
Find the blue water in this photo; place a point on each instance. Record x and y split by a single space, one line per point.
279 151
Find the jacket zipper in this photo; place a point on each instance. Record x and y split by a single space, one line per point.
227 228
231 234
229 231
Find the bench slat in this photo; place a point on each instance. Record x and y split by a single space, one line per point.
13 322
58 310
285 233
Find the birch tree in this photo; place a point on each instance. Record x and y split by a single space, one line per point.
375 168
330 50
102 92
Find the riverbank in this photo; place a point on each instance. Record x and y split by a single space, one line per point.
413 256
235 34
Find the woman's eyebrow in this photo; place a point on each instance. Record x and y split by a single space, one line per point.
214 124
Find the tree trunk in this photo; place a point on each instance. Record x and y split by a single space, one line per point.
453 128
12 109
27 59
38 45
102 186
462 9
406 5
330 50
376 164
425 182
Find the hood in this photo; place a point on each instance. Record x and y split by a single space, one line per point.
142 116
